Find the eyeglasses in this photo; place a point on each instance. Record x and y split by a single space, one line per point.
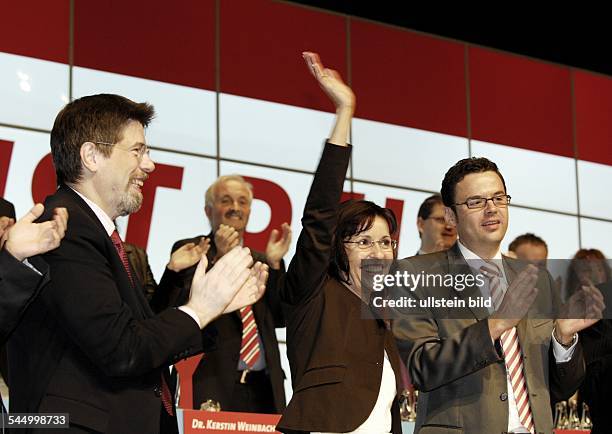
366 243
500 201
139 151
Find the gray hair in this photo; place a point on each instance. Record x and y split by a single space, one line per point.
210 192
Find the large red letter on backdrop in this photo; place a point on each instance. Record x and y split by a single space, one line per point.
280 211
6 150
43 180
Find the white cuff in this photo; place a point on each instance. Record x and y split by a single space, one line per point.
561 353
189 311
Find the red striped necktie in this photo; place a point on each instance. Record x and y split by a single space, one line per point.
166 396
249 349
512 351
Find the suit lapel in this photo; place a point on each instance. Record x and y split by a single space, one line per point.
458 266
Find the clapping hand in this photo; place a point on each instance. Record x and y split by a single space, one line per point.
277 247
583 309
229 285
188 255
26 238
519 297
226 238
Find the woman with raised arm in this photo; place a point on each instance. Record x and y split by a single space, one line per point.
344 368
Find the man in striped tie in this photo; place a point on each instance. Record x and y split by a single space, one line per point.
488 369
244 372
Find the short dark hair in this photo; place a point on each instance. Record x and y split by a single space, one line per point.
354 217
525 239
427 206
94 118
464 167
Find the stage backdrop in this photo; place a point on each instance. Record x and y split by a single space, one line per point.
233 96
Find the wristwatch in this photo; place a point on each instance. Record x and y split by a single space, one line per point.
566 346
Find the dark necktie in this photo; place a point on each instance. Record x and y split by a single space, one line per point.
166 396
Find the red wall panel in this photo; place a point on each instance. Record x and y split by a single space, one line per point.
520 102
261 46
405 78
593 98
41 30
154 39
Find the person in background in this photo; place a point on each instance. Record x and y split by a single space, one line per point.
589 267
435 232
529 247
246 339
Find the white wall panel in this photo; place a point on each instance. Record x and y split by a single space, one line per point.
597 234
594 183
186 116
559 231
534 178
271 133
32 91
404 156
28 149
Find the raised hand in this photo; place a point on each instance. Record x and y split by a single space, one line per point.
277 247
226 238
26 238
519 297
583 309
330 81
188 255
213 291
341 95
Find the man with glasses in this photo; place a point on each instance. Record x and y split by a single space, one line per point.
435 232
244 373
488 369
89 345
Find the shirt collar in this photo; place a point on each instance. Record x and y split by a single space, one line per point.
106 221
475 261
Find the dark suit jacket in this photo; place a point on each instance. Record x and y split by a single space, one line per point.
460 372
19 285
215 376
140 264
336 357
597 343
89 345
6 210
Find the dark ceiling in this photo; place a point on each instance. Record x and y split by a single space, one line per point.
556 36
